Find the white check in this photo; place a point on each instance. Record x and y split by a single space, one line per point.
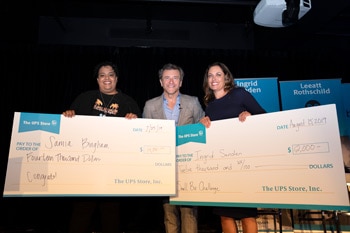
52 155
289 159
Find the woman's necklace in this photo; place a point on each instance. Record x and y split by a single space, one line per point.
106 107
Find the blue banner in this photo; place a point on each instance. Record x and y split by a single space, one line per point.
309 93
264 90
346 102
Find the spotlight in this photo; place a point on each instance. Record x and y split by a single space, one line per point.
280 13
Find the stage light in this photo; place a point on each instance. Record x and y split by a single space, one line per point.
280 13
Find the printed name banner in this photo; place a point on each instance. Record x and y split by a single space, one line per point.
308 93
264 90
290 159
53 155
345 90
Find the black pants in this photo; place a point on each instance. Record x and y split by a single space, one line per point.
108 212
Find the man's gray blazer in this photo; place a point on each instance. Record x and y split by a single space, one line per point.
190 109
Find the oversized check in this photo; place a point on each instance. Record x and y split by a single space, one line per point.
289 159
52 155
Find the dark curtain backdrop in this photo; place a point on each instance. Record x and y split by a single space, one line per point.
46 78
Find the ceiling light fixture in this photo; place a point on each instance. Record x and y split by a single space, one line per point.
280 13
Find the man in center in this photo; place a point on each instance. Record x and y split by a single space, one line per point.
183 109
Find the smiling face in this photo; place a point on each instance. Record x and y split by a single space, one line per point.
216 79
171 81
107 80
